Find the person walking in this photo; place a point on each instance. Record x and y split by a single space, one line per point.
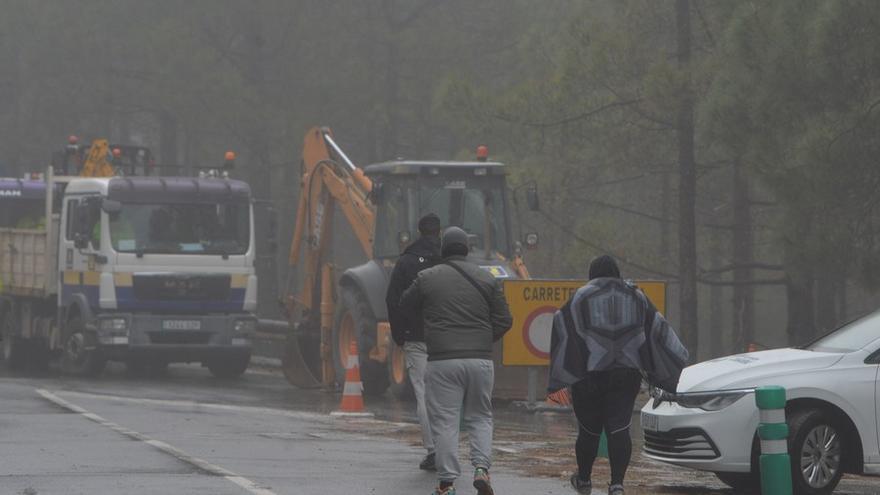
407 328
605 339
464 313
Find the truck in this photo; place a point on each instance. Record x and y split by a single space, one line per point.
141 269
328 308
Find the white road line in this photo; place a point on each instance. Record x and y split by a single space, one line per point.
306 416
202 464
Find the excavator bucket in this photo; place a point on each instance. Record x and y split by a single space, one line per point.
298 370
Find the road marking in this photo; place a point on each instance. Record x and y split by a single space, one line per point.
305 416
241 481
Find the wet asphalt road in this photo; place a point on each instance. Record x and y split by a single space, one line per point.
186 432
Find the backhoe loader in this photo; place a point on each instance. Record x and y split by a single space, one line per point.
382 203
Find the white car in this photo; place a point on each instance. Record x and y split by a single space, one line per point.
833 397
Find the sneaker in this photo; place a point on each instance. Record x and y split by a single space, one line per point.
482 482
445 491
615 490
580 485
427 463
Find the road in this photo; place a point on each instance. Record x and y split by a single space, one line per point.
185 432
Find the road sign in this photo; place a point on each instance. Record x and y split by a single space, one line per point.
533 304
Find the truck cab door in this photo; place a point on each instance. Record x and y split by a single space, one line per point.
78 246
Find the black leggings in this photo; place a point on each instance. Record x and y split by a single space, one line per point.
605 400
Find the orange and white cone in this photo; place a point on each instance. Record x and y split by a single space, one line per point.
352 393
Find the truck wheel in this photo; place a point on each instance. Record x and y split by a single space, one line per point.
401 387
355 321
76 359
229 368
816 446
14 350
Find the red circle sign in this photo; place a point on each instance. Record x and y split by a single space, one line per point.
536 331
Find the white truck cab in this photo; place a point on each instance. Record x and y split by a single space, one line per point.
146 270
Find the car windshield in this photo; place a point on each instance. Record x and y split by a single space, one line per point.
850 337
220 228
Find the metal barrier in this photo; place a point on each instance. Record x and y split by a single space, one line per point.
775 463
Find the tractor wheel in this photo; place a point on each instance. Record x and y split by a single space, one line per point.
401 387
355 321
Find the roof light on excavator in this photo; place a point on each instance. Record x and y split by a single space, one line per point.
229 156
72 139
482 153
117 153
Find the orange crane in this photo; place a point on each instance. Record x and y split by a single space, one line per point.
382 203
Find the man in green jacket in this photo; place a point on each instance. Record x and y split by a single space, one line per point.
464 312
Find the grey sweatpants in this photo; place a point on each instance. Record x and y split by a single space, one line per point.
459 392
416 359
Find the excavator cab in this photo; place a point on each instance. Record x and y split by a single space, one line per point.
470 195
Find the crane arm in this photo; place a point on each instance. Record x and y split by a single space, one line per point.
329 180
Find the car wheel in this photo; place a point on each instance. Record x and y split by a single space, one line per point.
816 447
741 482
78 359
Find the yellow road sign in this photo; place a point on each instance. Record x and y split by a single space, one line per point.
533 304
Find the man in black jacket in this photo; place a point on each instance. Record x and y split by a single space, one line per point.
406 323
465 313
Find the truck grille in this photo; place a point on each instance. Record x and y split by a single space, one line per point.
162 287
680 443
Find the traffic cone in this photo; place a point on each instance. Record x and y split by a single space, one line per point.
352 393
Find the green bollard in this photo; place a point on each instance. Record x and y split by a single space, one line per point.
603 445
775 463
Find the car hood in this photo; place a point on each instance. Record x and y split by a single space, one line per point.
751 369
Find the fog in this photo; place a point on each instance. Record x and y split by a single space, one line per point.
728 148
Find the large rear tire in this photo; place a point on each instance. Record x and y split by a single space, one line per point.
80 356
14 348
398 376
355 321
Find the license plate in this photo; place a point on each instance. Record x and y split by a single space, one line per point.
650 421
181 325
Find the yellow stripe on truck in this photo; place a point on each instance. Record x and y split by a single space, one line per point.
71 278
91 278
239 281
122 279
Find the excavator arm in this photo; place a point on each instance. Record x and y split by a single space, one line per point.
329 181
97 163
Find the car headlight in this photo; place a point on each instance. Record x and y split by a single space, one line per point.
114 324
710 401
245 326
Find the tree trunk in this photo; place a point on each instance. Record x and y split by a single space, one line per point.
168 144
743 294
801 315
687 189
716 304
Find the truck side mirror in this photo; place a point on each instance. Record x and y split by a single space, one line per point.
377 193
80 241
532 198
111 207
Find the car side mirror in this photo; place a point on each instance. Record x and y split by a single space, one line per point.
532 198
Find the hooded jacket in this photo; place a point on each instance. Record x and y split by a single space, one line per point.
459 322
608 324
406 323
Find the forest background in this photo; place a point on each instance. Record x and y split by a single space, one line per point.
727 147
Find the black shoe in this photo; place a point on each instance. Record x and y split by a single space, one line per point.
580 485
427 463
615 490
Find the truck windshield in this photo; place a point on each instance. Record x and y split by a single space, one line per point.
476 204
222 228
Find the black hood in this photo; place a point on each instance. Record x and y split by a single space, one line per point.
425 247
